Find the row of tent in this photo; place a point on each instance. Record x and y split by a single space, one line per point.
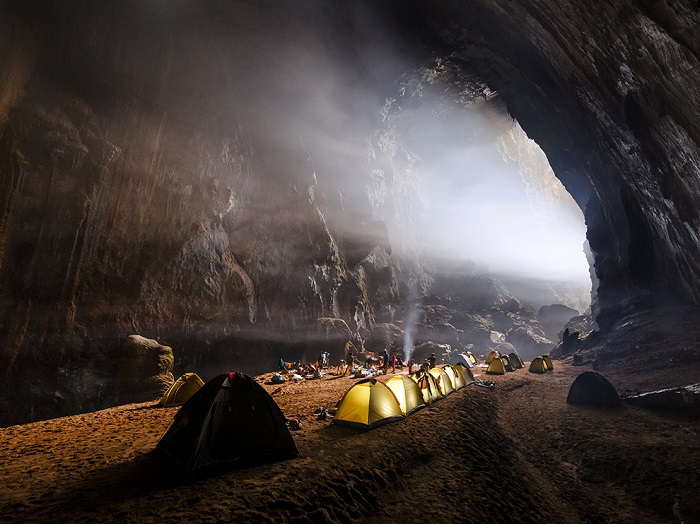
499 364
370 403
233 420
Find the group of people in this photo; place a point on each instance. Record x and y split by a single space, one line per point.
386 361
371 363
297 367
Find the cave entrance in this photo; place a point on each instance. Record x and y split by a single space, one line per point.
484 199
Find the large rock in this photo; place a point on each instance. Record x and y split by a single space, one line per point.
144 370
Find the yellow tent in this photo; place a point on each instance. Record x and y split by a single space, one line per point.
496 367
515 361
538 365
467 373
548 361
181 390
456 376
429 388
443 381
368 404
471 357
492 354
406 392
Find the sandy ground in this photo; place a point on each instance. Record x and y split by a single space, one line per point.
517 453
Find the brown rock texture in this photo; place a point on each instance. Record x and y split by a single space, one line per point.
144 370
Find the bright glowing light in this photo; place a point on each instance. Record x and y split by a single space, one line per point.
484 209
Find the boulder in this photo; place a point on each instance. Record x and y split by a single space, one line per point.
144 370
424 350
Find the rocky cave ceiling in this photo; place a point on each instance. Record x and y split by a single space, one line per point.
163 171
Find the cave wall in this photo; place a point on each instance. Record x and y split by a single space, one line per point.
131 203
152 182
610 93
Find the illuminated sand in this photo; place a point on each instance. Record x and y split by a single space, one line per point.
517 453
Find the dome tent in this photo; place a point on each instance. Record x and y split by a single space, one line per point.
548 361
368 404
515 361
492 354
593 389
181 390
443 381
463 359
506 364
230 420
429 388
538 365
456 376
496 367
407 393
467 373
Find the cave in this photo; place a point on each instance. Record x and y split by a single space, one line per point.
237 180
224 184
144 173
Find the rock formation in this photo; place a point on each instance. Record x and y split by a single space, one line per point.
144 370
163 172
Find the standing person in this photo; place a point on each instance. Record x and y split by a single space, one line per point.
386 362
350 361
411 363
432 360
393 361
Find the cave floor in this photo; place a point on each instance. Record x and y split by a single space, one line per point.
517 453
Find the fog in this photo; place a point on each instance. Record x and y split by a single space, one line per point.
489 209
458 179
387 132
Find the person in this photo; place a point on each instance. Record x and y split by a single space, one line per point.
411 363
323 360
350 361
393 361
432 360
426 365
385 363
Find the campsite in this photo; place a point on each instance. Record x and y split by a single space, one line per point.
514 453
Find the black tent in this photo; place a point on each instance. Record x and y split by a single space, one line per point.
230 420
593 389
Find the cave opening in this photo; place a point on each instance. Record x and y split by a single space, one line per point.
484 199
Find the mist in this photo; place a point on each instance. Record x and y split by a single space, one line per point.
331 96
487 209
